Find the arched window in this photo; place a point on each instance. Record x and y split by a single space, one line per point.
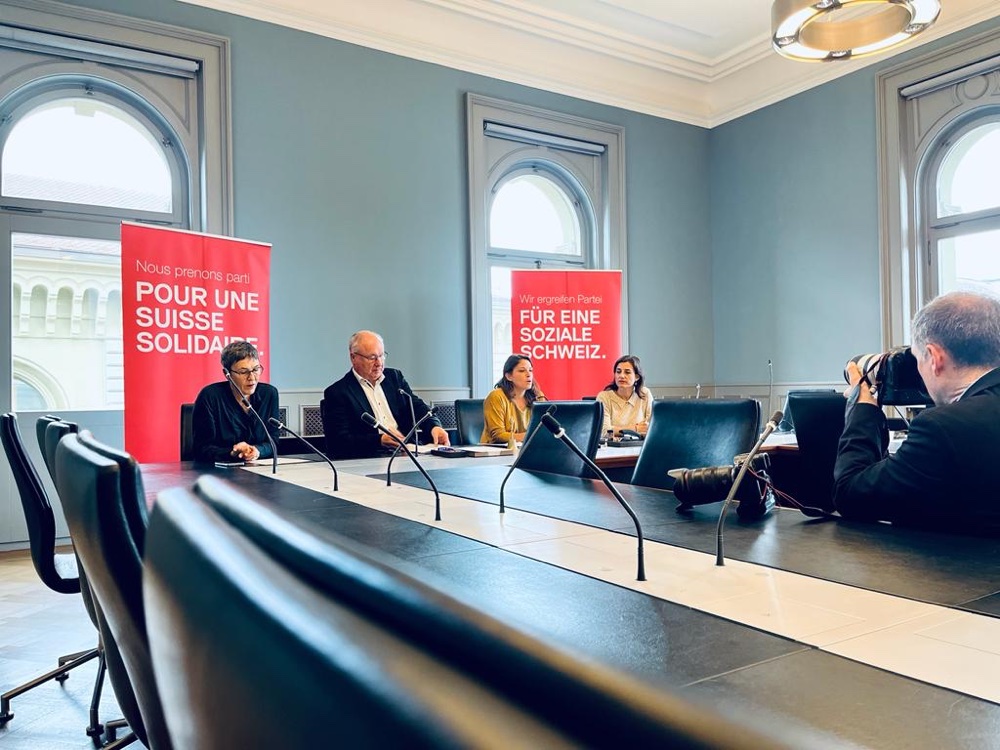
535 213
963 209
537 219
939 154
101 155
546 190
80 149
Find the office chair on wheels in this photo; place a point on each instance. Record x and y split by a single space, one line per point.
58 571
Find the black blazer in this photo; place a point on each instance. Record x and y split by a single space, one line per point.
347 435
946 474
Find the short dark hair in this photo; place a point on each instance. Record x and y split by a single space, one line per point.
640 380
964 324
532 394
236 351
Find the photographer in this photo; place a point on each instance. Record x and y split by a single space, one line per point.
946 474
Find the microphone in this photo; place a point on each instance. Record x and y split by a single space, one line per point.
770 427
560 434
406 439
770 385
277 423
246 402
413 421
517 458
370 420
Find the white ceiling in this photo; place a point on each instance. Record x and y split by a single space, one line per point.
702 62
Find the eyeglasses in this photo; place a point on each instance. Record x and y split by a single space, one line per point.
256 371
371 357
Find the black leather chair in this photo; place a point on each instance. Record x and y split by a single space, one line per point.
187 432
359 649
693 433
469 420
819 421
50 430
582 421
97 498
787 423
58 571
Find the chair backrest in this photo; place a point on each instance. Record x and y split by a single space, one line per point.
55 430
90 486
187 432
788 420
247 609
38 513
819 421
582 421
469 420
132 487
693 433
41 424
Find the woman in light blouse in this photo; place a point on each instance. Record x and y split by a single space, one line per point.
507 408
628 404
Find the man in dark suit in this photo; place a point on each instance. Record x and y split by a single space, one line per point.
946 474
384 393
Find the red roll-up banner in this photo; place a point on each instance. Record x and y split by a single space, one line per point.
569 323
185 295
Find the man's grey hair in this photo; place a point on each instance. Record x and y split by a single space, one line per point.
237 351
353 341
965 324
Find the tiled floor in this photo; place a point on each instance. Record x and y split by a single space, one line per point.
927 642
36 627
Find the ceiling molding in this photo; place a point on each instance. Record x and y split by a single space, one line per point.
569 54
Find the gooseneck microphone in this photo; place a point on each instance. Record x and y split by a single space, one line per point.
770 427
557 430
406 439
246 402
413 420
770 384
370 420
524 446
277 423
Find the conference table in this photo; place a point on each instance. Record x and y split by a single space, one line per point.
822 632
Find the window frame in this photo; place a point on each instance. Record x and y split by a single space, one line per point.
210 170
569 185
935 228
27 99
558 136
908 272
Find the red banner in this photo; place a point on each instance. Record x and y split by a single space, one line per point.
569 323
184 297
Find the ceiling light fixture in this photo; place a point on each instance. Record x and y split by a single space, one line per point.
825 30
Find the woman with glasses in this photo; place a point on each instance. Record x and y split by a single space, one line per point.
507 408
224 427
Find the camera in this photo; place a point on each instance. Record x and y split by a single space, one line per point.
712 484
894 376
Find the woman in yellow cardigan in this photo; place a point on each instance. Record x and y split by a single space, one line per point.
507 409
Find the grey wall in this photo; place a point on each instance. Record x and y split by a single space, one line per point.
794 231
795 257
352 163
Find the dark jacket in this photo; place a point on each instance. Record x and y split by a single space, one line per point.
219 422
347 435
945 475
